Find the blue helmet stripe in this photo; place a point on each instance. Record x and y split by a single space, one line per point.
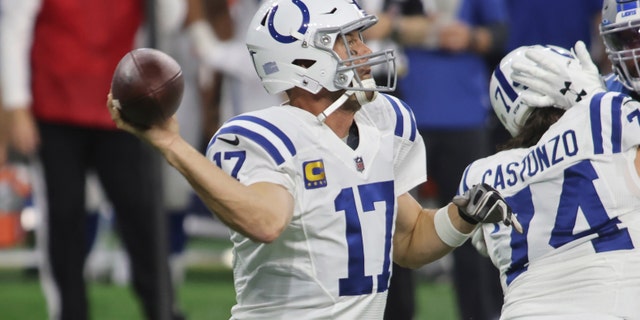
627 5
505 85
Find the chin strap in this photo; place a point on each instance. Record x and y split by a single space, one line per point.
334 106
361 96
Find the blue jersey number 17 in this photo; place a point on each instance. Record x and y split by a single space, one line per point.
358 283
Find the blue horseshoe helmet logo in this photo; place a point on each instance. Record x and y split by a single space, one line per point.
302 29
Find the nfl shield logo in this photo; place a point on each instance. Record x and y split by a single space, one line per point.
359 164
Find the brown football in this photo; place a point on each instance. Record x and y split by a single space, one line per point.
148 85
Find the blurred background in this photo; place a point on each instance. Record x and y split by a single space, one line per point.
205 290
444 53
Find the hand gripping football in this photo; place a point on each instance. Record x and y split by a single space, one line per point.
148 85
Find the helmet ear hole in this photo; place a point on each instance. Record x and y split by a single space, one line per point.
305 63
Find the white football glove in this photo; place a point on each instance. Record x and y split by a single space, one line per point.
556 85
482 203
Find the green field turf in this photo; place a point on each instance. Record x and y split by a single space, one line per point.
207 293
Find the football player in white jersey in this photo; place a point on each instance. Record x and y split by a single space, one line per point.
315 191
572 177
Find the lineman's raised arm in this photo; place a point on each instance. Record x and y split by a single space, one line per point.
559 86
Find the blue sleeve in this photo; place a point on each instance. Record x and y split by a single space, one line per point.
406 126
615 123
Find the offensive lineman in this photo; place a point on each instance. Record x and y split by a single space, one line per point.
574 179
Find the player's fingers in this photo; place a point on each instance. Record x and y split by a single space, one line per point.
460 201
580 49
531 70
535 99
516 224
114 108
528 80
542 61
524 68
532 82
113 105
110 102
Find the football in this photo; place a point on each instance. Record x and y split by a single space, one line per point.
148 85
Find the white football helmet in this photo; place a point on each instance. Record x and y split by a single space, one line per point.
291 43
620 29
505 94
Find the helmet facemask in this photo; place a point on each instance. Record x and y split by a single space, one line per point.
348 70
620 32
346 73
623 49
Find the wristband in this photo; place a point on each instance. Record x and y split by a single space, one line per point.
446 231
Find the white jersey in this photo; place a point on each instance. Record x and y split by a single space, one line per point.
333 261
577 195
